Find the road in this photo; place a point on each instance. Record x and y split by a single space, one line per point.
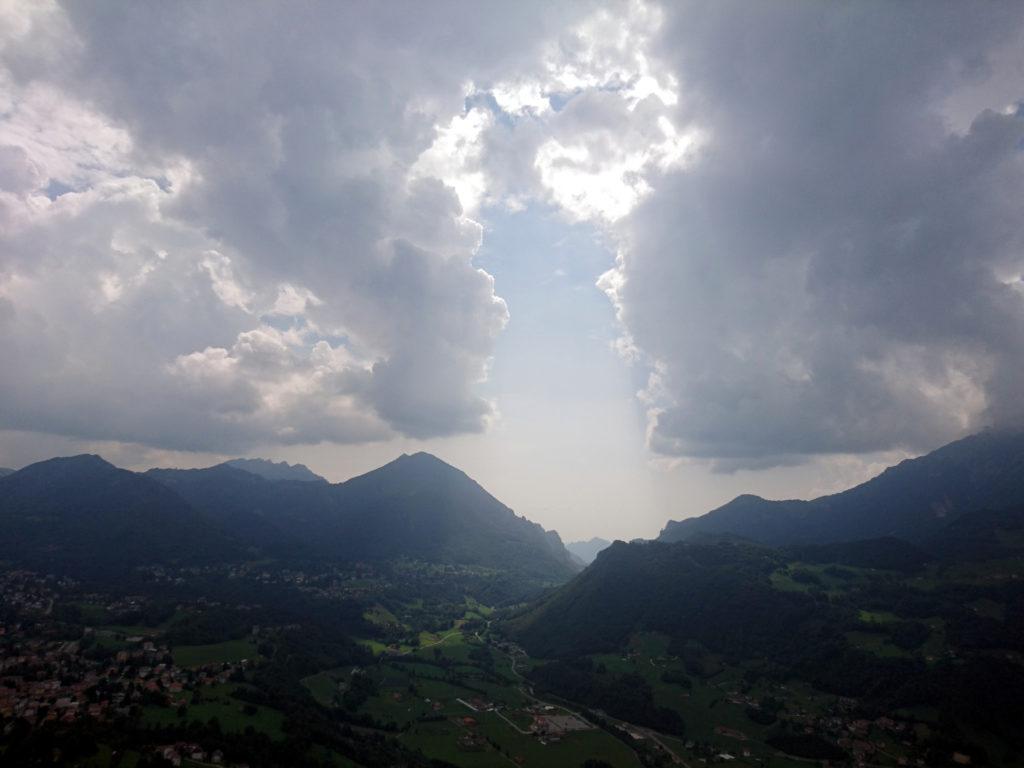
520 730
527 691
654 736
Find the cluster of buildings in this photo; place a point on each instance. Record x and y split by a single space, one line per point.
46 677
54 680
43 681
550 726
28 591
183 750
354 581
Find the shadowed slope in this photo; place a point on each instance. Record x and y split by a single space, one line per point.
67 514
910 501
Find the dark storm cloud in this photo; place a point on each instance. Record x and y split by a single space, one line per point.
839 269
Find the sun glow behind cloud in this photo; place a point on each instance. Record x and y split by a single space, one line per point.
593 121
607 187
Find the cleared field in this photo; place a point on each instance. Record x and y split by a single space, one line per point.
875 643
141 629
492 741
712 708
217 653
429 692
375 646
476 610
381 616
217 702
805 577
324 685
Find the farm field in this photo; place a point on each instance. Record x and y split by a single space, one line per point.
216 653
218 703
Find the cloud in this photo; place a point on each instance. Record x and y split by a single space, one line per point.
217 231
580 127
835 271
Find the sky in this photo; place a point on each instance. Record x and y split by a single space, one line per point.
619 262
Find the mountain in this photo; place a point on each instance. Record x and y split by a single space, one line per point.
742 599
910 501
586 551
888 625
82 514
257 510
886 553
718 594
5 471
420 506
982 535
280 470
416 507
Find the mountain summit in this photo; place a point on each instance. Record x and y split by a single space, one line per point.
416 506
419 505
83 512
66 514
911 500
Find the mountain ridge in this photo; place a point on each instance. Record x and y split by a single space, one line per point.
910 500
276 470
415 505
81 511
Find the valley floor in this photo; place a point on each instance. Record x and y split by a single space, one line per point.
394 664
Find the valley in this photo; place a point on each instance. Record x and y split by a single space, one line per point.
256 650
346 658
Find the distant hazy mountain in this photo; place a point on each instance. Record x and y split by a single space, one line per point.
417 506
81 513
910 501
5 471
276 470
586 551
